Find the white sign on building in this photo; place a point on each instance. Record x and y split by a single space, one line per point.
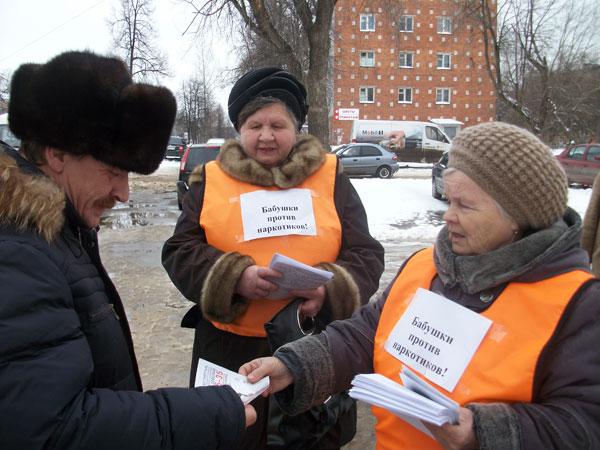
346 113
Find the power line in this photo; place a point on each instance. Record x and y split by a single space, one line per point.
50 32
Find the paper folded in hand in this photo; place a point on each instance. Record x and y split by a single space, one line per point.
295 276
209 374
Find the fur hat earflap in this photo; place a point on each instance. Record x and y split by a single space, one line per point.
87 104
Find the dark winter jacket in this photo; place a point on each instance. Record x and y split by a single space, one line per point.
565 411
68 374
193 264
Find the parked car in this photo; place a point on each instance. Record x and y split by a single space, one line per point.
195 154
219 141
5 133
368 159
581 163
437 182
337 148
175 147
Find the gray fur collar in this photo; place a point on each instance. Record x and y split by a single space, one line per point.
480 272
305 159
30 200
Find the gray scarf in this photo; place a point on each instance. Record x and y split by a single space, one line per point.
480 272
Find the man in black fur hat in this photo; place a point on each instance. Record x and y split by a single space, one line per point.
68 374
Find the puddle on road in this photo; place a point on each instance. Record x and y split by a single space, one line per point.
428 217
144 208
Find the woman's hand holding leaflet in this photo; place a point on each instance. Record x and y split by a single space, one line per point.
314 300
252 284
279 375
456 437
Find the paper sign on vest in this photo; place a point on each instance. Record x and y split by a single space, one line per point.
277 213
437 338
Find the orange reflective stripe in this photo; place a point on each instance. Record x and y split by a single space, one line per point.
502 369
222 222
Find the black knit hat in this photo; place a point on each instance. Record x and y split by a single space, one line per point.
87 104
268 82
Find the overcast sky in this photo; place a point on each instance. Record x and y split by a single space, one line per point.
36 30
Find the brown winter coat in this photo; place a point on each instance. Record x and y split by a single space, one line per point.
206 275
590 240
565 404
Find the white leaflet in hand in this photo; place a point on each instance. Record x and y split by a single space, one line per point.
209 374
416 384
402 401
295 276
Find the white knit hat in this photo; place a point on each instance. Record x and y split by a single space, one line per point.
516 169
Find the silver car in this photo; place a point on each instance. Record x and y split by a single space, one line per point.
368 159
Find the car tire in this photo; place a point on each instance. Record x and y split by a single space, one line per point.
384 172
434 192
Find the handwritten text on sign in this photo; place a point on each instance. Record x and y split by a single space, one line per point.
437 338
277 213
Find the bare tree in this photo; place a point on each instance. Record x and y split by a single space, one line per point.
4 91
272 21
133 38
199 113
530 46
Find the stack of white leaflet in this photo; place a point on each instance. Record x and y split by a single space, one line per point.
415 400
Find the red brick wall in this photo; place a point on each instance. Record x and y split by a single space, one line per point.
472 96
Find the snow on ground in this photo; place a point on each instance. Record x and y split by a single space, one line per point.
168 166
403 209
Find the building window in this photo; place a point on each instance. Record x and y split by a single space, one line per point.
406 24
443 60
444 25
405 95
442 96
367 94
367 22
367 59
405 59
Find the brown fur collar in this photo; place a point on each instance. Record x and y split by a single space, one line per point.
251 171
307 156
30 201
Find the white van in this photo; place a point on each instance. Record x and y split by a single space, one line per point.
418 135
5 133
424 141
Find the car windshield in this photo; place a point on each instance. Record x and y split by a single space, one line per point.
201 155
176 141
7 136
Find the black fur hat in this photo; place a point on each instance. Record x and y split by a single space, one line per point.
87 104
268 82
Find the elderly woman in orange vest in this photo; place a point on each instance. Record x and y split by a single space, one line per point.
501 314
274 191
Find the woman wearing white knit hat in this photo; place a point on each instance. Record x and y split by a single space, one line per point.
501 314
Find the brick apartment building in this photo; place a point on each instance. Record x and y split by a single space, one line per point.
410 60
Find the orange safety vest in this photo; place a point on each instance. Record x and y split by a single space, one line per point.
502 369
221 219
